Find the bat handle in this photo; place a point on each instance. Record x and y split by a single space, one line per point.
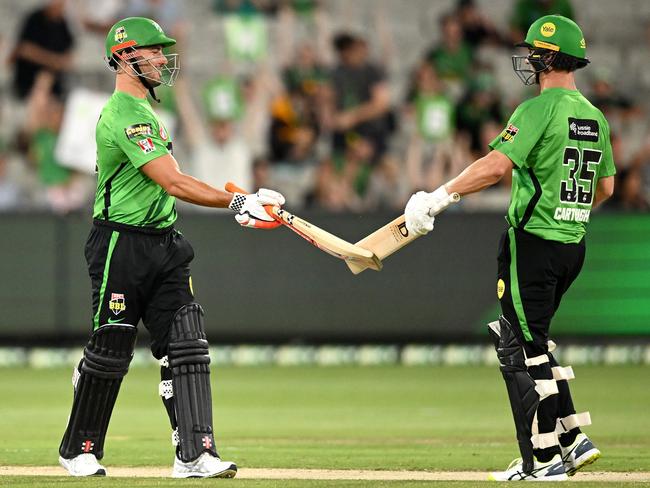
232 188
270 209
453 198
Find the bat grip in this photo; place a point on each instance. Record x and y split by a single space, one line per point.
453 198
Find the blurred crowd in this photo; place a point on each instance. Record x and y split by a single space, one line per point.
330 116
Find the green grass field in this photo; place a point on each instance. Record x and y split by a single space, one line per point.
378 418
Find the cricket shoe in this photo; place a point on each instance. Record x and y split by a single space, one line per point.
552 470
83 465
579 454
205 466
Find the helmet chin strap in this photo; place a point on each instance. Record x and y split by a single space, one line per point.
145 82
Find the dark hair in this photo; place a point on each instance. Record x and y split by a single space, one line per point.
344 41
566 62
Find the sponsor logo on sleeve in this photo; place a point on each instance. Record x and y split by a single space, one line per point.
138 130
583 130
146 145
163 133
509 134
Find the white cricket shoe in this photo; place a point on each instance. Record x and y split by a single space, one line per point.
550 471
83 465
205 466
579 454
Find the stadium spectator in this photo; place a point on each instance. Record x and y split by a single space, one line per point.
616 106
387 187
168 13
218 153
525 12
45 42
476 26
11 197
480 104
633 183
65 190
343 178
452 57
360 97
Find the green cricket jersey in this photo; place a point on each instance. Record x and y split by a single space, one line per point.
129 134
559 144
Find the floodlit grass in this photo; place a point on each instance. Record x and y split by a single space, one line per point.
407 418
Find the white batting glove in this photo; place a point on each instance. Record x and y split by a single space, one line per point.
250 208
418 220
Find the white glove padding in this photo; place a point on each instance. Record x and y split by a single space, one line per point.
250 208
418 220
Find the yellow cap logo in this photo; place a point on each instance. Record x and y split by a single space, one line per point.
501 289
548 29
583 44
120 34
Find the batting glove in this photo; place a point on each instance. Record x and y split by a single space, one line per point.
418 220
250 208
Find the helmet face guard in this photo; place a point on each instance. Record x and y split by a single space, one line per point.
530 66
138 66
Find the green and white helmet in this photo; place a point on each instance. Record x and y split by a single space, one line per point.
130 34
553 40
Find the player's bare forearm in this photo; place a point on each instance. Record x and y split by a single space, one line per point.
604 190
481 174
164 170
191 190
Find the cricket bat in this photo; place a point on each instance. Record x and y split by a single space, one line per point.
392 237
352 254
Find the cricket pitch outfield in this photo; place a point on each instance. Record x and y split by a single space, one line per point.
318 426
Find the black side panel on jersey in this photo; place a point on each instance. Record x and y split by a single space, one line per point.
107 190
105 362
189 360
533 201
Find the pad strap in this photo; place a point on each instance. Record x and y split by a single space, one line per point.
572 421
560 373
545 388
537 360
542 441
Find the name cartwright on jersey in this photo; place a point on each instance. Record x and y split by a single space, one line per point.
568 214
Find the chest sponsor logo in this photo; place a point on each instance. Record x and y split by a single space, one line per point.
509 134
117 304
583 130
138 130
146 145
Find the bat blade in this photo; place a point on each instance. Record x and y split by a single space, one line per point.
392 237
352 254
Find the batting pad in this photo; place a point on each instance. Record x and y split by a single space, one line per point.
97 383
189 361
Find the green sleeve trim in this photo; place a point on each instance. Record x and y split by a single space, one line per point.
514 287
111 246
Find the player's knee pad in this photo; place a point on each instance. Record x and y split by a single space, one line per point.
189 362
97 382
524 392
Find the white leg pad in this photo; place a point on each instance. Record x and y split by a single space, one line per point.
164 361
175 439
542 441
551 345
165 389
75 377
572 421
545 388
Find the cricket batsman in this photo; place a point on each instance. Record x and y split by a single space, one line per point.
139 265
557 146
